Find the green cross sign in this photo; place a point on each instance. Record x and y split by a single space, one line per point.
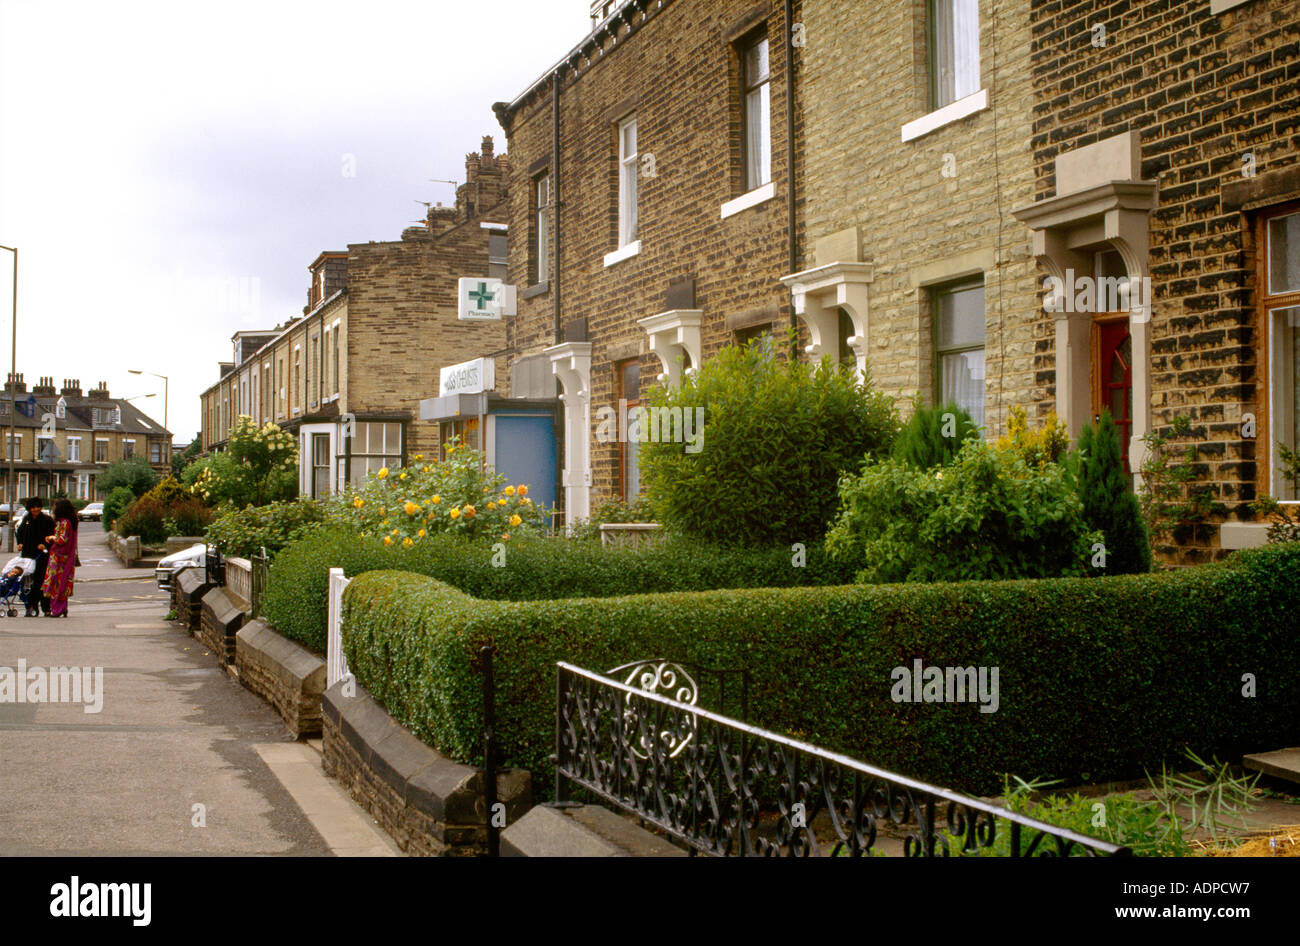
481 295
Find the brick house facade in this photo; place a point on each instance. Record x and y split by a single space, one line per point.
1167 138
347 377
915 131
650 209
64 438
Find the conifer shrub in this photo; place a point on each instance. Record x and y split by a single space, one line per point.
933 436
1109 505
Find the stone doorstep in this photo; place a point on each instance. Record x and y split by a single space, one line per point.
581 831
1281 763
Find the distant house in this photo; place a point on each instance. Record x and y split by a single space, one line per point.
348 375
63 438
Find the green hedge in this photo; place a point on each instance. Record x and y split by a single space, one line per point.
1099 678
534 569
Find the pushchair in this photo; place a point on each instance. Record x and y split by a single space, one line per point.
15 582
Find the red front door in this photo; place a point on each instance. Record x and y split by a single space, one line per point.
1116 375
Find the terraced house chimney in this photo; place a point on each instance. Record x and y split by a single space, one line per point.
71 388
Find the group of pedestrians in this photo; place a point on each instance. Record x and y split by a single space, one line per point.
51 542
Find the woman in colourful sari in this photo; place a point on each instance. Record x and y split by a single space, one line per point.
57 587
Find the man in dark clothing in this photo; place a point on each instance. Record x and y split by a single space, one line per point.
33 537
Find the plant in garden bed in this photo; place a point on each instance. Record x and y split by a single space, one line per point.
1108 503
777 436
1283 521
1182 805
1172 501
933 435
989 514
242 532
612 510
402 506
259 466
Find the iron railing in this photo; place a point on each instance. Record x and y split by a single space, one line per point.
214 565
726 788
261 565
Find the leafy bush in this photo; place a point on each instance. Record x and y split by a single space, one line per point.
115 504
776 436
1172 498
1048 444
933 435
1283 524
134 473
457 495
188 517
525 568
1080 661
243 532
1109 505
170 491
147 518
260 466
987 515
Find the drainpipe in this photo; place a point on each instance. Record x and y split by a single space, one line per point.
555 202
790 155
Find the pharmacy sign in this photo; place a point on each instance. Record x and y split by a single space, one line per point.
484 300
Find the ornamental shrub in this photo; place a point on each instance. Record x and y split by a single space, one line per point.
243 532
771 436
1109 505
988 514
260 466
933 435
457 495
612 510
147 518
170 491
115 504
526 568
1048 444
188 517
1098 678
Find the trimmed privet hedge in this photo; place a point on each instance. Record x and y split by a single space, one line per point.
531 569
1098 678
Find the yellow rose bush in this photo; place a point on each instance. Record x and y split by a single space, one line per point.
428 499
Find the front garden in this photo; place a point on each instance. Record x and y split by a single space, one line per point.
847 562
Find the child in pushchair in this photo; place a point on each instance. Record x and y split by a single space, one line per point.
15 582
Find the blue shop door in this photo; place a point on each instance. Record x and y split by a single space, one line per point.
526 453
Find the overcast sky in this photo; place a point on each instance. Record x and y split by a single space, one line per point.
168 170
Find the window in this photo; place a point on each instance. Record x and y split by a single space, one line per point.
954 50
15 447
155 452
627 181
335 368
268 392
101 450
959 347
128 449
313 370
23 488
629 394
320 466
283 405
83 485
498 249
45 449
74 450
759 335
757 89
374 446
465 431
1281 301
296 394
542 237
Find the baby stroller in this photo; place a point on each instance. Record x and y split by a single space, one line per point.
15 582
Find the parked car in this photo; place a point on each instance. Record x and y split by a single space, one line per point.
95 512
195 555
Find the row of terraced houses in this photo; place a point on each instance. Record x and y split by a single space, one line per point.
1063 206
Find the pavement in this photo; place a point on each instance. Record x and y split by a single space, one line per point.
168 755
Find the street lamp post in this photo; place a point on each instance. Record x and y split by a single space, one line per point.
166 399
13 377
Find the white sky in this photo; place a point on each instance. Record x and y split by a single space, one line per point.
168 170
